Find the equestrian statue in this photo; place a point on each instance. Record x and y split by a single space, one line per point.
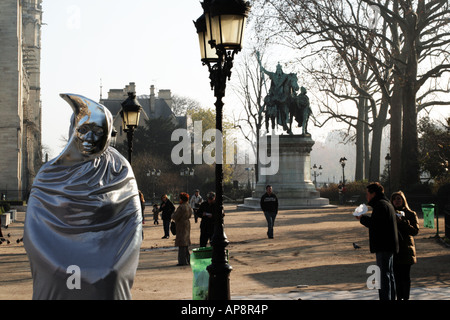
282 104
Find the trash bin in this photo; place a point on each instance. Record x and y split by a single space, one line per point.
428 215
200 259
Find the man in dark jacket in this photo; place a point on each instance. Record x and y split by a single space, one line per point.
383 237
207 211
166 208
269 205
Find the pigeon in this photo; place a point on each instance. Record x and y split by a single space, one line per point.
355 245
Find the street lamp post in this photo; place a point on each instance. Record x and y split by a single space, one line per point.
388 162
220 30
187 172
155 174
250 170
315 174
130 112
343 161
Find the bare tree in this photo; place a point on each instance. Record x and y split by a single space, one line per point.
404 43
250 90
181 105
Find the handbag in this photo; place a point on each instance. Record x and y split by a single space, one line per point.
173 227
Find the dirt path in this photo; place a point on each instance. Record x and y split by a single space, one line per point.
311 249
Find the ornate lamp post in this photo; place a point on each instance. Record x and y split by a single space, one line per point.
250 170
155 174
343 161
187 172
315 174
388 162
130 112
220 29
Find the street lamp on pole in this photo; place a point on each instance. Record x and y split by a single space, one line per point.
388 162
250 170
343 161
220 30
155 174
187 172
315 174
130 112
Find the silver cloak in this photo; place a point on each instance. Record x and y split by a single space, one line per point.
83 226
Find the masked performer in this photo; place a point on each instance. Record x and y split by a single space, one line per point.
83 222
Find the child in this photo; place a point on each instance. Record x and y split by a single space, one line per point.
155 214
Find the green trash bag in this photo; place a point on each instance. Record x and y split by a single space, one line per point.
428 215
200 259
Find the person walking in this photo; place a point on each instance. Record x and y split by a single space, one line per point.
195 202
182 216
166 208
383 237
269 205
155 213
408 227
207 210
142 200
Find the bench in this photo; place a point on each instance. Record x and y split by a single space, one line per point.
353 199
5 219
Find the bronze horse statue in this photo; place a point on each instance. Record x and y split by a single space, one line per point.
278 107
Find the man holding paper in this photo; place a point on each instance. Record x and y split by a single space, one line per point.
383 236
207 210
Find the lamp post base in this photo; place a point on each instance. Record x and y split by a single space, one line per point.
219 270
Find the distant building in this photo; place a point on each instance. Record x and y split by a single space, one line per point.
20 95
153 106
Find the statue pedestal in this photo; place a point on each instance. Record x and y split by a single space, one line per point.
292 182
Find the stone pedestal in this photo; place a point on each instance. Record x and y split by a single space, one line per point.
292 181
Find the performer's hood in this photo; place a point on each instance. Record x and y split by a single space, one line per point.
90 130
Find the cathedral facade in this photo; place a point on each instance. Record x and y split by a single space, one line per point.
20 96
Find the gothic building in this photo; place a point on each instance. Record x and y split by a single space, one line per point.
20 97
153 107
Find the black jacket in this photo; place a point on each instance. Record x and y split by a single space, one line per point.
382 224
269 202
166 209
207 223
408 227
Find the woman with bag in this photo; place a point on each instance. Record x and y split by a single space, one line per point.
408 227
182 216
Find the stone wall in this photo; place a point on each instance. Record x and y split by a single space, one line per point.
20 107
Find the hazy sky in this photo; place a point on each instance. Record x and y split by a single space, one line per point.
142 41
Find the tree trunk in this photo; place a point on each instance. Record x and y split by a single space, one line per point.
377 136
396 136
366 145
410 173
410 148
375 153
359 170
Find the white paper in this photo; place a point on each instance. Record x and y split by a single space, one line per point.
400 214
360 210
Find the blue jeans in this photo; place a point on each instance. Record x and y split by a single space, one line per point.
270 217
387 282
